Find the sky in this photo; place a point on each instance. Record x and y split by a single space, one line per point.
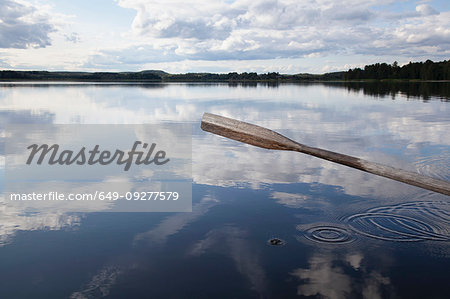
179 36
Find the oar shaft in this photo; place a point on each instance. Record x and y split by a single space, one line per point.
265 138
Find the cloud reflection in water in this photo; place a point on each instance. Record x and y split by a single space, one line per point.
389 132
328 276
313 114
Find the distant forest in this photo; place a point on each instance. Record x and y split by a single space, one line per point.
427 70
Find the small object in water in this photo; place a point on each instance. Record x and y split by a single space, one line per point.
276 242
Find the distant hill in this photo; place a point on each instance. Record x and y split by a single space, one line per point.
156 72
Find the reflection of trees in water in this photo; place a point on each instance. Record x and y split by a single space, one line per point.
421 90
412 90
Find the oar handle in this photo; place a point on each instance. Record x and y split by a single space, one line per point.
265 138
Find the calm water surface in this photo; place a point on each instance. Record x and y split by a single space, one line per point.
345 233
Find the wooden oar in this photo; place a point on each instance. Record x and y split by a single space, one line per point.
265 138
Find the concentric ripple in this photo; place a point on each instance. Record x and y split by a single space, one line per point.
437 166
407 222
328 234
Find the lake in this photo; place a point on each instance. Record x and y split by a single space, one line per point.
344 233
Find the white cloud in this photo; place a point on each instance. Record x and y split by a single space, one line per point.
23 25
267 29
426 10
241 35
72 37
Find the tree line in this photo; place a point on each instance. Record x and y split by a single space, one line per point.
78 76
160 76
427 70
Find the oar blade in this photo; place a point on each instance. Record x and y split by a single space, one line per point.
245 132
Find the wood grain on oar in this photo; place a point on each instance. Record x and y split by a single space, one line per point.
265 138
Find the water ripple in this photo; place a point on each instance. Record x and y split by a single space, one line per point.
407 222
328 234
437 166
